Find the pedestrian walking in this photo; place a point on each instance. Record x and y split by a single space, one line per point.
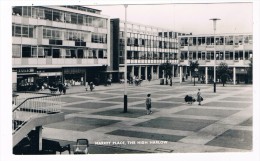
64 89
91 86
199 98
148 103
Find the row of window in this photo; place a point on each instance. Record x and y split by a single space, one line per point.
24 51
59 16
220 55
57 34
150 55
139 42
220 40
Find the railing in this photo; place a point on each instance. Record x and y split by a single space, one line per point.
30 106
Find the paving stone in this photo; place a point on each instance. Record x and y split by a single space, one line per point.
176 123
131 113
238 99
81 124
72 99
228 104
152 136
129 99
92 105
159 105
207 112
239 139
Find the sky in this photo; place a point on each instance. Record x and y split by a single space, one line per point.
189 17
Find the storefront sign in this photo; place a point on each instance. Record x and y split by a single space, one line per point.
25 70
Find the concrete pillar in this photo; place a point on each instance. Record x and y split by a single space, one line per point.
145 72
173 71
158 72
206 74
152 72
234 75
139 72
163 74
37 138
133 70
181 73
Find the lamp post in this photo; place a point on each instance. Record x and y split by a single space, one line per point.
125 63
214 28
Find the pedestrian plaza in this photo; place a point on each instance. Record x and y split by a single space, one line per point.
222 124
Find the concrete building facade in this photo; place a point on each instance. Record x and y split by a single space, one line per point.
51 44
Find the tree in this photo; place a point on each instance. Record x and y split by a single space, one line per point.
223 72
194 66
167 68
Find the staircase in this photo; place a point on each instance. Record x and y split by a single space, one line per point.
34 110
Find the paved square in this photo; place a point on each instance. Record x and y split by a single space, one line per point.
176 123
81 124
159 105
233 139
97 95
129 99
207 112
92 105
174 99
73 99
119 112
248 99
228 104
145 135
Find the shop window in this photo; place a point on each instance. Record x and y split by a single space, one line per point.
16 50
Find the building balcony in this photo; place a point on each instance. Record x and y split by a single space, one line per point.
57 62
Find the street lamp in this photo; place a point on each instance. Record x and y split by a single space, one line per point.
125 64
214 28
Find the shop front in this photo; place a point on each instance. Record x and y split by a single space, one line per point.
74 76
26 79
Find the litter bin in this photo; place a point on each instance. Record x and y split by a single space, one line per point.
162 81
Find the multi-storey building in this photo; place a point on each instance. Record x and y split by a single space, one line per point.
147 48
53 44
235 50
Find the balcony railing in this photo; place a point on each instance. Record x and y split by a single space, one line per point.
29 105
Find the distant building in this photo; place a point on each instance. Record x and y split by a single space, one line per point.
52 44
235 50
147 48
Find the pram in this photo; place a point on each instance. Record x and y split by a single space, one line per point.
189 99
